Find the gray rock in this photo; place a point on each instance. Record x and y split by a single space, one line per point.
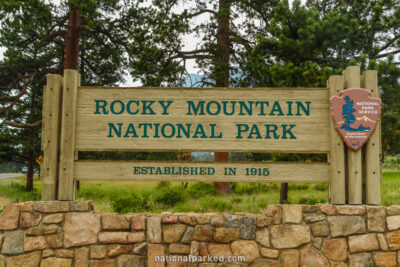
247 227
320 228
313 217
289 235
360 260
346 225
140 248
188 235
393 210
154 229
131 261
230 221
13 242
311 208
376 219
317 242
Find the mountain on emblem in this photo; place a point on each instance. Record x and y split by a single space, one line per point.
355 115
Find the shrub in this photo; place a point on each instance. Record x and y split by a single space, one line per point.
163 184
251 188
131 203
201 189
169 196
298 186
321 187
216 204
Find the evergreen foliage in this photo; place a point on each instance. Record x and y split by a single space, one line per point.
270 44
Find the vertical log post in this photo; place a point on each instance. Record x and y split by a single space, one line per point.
51 136
67 155
372 148
354 158
337 184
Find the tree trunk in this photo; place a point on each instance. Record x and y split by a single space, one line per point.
222 73
29 173
71 50
284 193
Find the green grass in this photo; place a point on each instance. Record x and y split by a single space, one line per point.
194 196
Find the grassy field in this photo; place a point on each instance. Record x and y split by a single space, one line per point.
183 197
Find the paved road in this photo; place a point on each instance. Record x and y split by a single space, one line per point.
9 175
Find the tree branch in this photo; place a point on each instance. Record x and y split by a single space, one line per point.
388 53
189 16
23 92
35 124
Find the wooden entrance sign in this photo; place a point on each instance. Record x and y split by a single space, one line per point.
261 120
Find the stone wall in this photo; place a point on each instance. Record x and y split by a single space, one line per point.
72 234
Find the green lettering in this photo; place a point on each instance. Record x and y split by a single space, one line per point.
276 108
249 109
113 104
224 103
103 106
111 127
172 131
288 131
262 103
305 110
165 107
186 131
289 108
271 128
128 107
131 130
241 128
199 131
213 131
147 110
146 126
200 107
254 131
218 106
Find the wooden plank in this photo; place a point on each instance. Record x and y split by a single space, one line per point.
337 185
206 171
50 136
65 189
372 148
205 88
44 112
354 158
311 131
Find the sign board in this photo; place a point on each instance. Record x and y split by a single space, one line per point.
202 171
203 119
261 120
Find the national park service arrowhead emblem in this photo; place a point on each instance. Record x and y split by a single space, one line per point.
355 115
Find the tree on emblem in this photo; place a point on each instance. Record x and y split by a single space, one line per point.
347 113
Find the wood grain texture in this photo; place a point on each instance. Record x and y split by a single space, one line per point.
372 148
278 172
50 136
354 158
337 186
312 132
67 154
44 112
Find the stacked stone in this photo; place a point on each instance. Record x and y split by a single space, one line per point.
70 233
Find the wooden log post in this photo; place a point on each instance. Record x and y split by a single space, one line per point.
67 155
51 135
354 158
372 148
337 184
